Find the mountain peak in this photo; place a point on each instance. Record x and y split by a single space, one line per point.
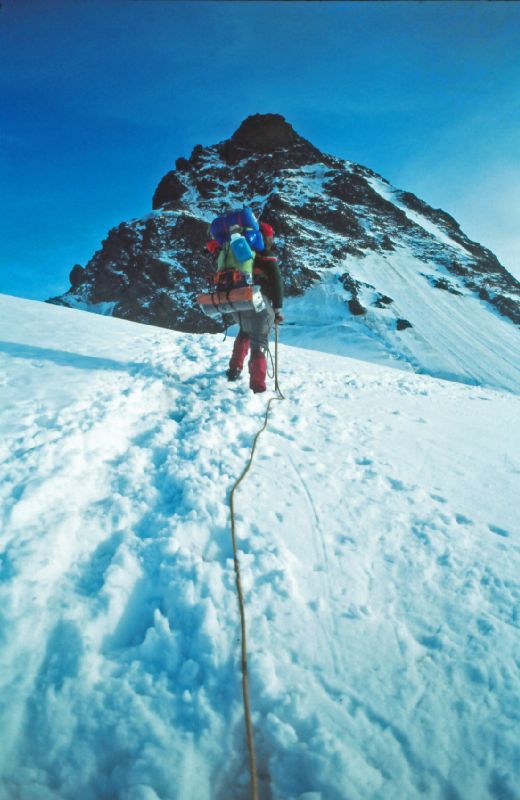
344 235
265 132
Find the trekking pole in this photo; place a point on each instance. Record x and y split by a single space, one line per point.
276 384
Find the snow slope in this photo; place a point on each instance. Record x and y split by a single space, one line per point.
380 556
453 336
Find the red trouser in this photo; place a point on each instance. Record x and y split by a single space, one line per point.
240 351
257 371
254 329
257 362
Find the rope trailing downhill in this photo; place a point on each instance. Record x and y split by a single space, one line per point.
245 674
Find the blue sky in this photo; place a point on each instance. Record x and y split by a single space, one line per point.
100 97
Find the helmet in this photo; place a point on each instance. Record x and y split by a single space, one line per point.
212 246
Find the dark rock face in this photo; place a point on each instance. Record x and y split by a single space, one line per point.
326 213
353 287
77 276
151 271
263 133
169 191
443 283
403 324
268 134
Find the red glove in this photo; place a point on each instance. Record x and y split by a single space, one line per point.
278 317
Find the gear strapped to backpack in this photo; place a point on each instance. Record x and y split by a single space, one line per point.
239 237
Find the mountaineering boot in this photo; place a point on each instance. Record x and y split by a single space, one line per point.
233 374
236 362
257 371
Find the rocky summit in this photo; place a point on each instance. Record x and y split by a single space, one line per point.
331 217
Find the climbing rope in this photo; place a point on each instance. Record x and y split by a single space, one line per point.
245 674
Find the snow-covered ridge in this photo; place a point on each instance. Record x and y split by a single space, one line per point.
379 549
392 195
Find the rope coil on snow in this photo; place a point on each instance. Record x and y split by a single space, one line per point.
245 673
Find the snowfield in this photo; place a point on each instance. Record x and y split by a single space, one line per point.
379 542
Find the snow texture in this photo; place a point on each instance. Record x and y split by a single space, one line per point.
379 545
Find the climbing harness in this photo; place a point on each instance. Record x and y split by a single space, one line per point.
245 674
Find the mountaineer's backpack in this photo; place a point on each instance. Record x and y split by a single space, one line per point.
238 234
239 237
242 219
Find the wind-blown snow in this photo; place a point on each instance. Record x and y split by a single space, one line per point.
392 195
379 549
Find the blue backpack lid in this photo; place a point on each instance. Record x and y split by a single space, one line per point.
245 218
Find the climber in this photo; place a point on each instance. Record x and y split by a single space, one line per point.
255 326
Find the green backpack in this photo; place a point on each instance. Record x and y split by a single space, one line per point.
228 261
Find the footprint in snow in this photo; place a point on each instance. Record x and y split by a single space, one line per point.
498 531
485 627
91 579
364 462
438 498
419 532
177 415
431 641
396 485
